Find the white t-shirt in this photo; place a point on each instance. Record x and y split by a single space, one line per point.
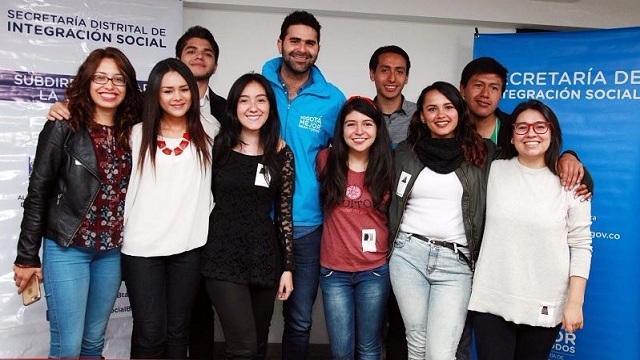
167 208
434 208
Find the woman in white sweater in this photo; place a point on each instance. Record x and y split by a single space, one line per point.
536 252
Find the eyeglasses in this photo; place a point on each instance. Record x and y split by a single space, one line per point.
116 80
539 127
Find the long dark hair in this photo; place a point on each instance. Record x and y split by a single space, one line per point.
552 154
152 113
473 147
378 177
229 136
82 107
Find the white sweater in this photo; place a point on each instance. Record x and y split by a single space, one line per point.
536 236
167 208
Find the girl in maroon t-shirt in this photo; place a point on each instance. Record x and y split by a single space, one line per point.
356 178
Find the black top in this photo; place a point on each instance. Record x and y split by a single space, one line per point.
245 245
218 107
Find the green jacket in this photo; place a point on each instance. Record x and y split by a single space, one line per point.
474 193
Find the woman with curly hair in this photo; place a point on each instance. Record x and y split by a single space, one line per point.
75 204
436 218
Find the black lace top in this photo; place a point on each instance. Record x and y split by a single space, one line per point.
245 245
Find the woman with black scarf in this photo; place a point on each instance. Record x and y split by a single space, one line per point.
436 219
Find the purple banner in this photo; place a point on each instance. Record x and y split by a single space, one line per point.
32 87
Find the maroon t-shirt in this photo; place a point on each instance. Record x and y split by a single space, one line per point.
346 225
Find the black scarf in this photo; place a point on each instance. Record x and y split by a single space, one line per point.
440 155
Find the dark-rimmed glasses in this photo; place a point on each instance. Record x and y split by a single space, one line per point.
116 80
539 127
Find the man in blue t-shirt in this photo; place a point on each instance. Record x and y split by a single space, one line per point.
308 106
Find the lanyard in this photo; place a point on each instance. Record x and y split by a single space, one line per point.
494 134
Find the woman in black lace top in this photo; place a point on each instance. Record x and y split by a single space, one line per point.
248 258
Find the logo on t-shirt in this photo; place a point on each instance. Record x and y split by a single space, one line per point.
313 123
353 192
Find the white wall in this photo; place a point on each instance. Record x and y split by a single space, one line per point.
553 13
248 38
438 35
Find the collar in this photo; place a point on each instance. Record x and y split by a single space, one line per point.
308 83
404 106
205 99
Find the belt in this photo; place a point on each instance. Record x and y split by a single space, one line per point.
449 245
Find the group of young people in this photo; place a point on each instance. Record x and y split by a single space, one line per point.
286 187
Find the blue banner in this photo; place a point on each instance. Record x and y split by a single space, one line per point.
591 79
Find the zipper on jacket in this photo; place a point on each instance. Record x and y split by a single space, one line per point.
471 240
93 198
82 218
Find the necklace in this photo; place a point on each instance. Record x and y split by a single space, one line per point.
162 145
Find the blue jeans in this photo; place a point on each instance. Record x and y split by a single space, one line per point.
161 290
354 310
81 286
433 287
297 310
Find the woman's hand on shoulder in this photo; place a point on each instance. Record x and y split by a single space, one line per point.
59 111
570 170
286 286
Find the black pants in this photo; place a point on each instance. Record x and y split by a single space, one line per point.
201 328
464 346
396 340
245 315
498 339
161 292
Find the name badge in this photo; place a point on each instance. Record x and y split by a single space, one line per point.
402 183
546 315
368 240
262 176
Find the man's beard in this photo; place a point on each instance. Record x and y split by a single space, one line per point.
204 77
289 64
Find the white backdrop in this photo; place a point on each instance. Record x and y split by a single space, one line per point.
42 42
438 51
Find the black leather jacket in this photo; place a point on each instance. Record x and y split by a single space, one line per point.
63 184
474 192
